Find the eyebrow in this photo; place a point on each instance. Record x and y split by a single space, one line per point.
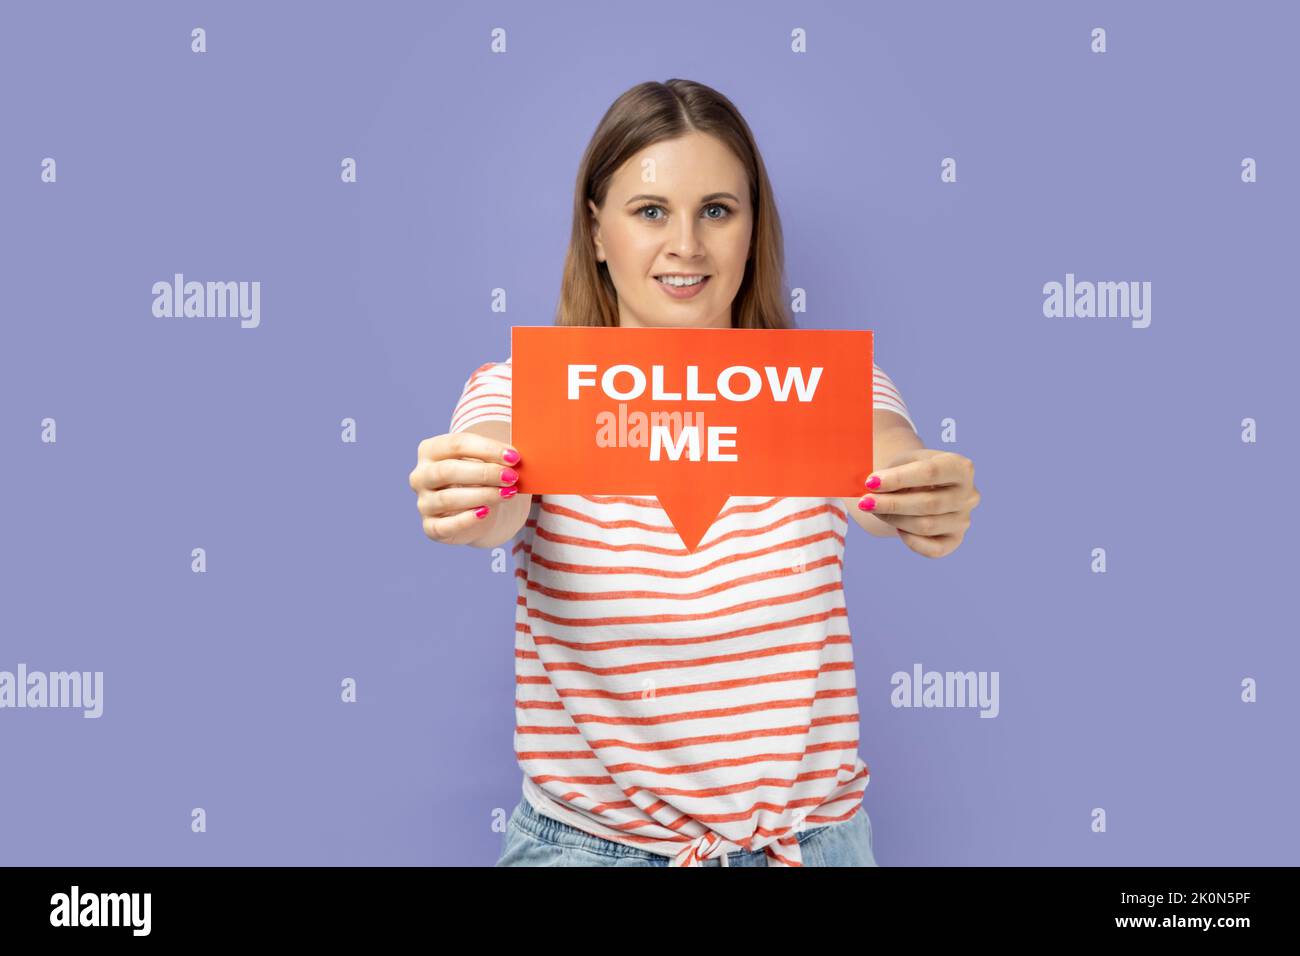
664 199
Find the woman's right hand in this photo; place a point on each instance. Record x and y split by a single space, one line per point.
459 479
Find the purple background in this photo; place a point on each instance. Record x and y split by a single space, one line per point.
221 690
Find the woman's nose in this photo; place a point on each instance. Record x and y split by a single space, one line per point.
687 242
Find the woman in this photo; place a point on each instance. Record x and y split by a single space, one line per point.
674 707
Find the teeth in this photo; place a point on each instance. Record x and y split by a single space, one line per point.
681 281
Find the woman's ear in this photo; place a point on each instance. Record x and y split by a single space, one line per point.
595 231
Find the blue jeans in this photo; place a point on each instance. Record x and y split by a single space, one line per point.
532 839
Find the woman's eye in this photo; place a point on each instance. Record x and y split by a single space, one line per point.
718 205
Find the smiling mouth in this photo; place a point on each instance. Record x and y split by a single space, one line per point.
681 281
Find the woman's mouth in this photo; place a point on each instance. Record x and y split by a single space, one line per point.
682 287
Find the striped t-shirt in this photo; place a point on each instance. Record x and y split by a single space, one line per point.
692 704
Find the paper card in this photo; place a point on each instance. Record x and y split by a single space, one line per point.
692 416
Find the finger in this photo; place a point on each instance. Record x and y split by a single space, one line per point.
470 472
450 501
945 469
930 526
935 547
467 445
452 527
935 502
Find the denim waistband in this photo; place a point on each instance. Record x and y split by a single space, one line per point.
552 830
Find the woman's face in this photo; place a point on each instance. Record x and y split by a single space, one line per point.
678 206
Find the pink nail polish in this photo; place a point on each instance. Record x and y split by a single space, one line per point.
481 512
873 481
509 492
866 504
511 456
509 476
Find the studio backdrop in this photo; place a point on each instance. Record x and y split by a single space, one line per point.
1069 226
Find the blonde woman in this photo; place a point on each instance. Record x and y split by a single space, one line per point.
746 753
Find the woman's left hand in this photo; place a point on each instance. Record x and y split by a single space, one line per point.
927 496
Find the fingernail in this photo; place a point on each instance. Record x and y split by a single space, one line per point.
509 492
867 503
873 481
511 456
509 476
481 512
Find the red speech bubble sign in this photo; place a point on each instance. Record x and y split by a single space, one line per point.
691 416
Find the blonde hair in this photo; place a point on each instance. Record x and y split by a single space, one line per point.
649 113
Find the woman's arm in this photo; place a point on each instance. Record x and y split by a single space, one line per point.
891 435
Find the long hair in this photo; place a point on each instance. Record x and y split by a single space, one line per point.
649 113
